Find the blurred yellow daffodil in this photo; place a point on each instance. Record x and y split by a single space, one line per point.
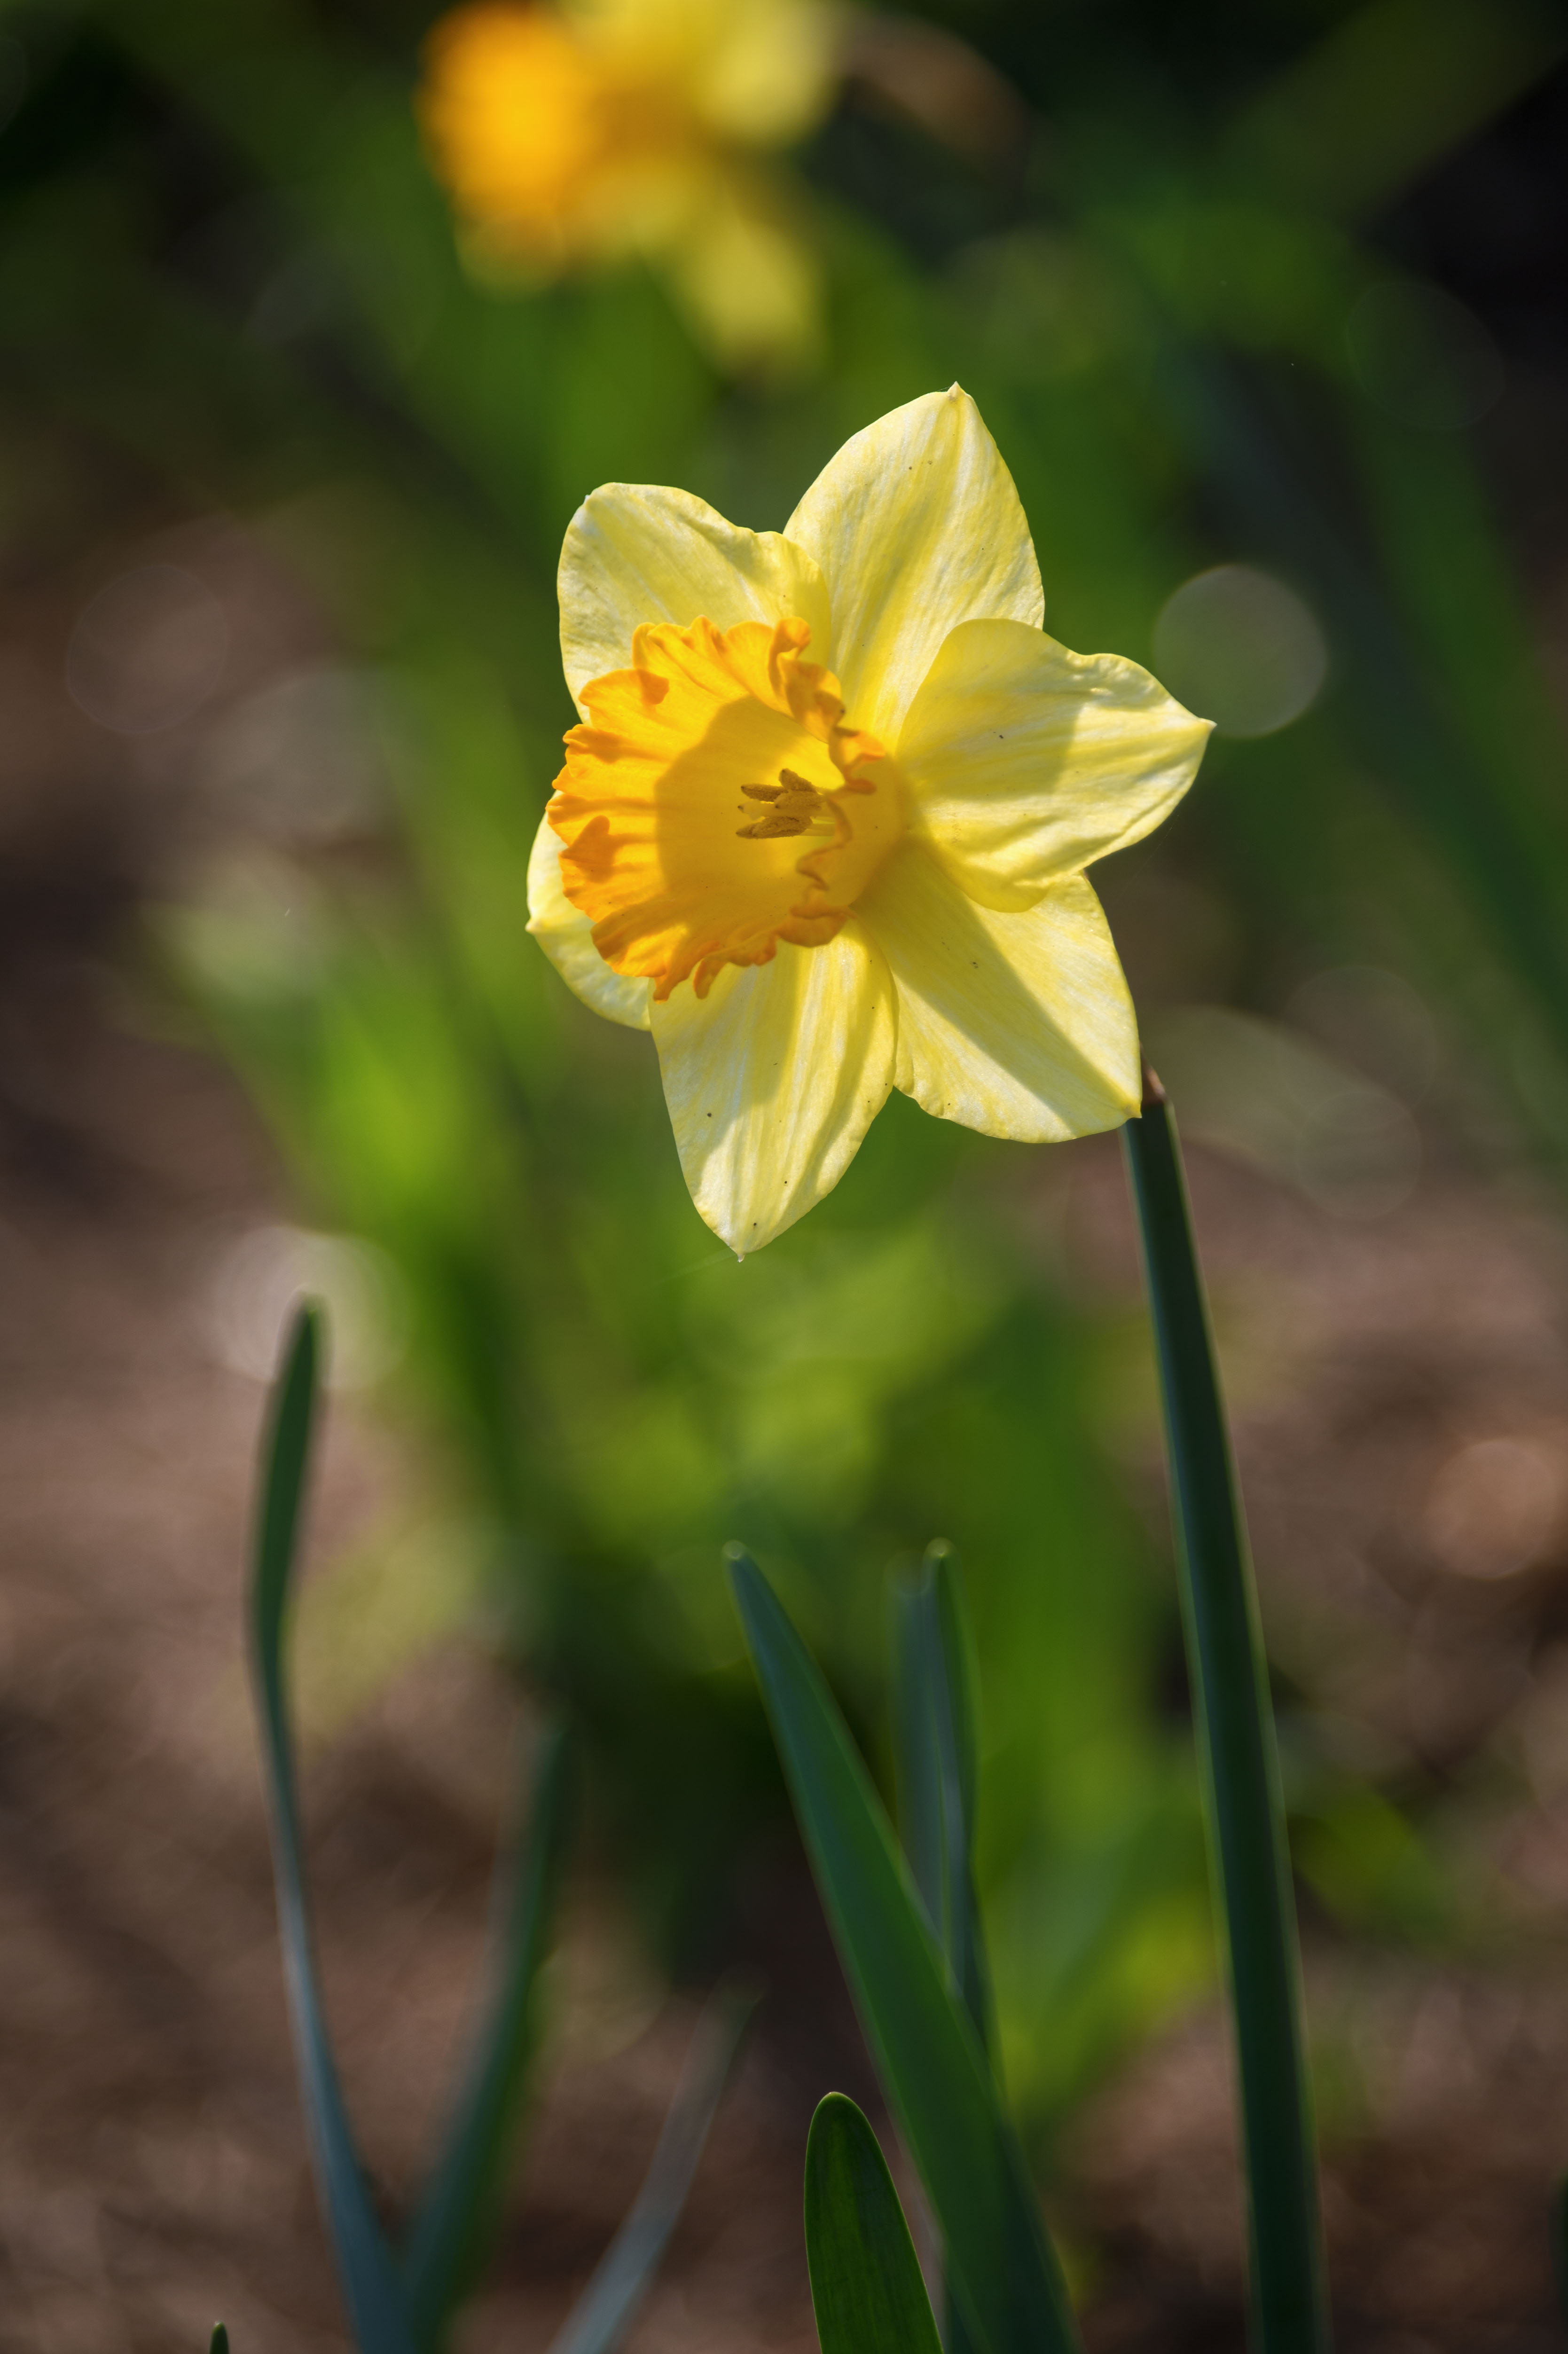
816 885
591 129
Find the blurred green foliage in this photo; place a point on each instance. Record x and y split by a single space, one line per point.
225 269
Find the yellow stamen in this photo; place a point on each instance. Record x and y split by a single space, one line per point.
797 808
671 755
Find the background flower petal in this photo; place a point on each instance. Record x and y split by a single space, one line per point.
1018 1025
916 527
747 276
1026 761
634 553
764 73
773 1078
565 935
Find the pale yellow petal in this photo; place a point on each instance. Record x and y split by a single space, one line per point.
916 527
634 553
1025 762
748 278
567 937
773 1078
755 71
1018 1025
766 74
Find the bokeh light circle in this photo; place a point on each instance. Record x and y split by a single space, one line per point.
1238 647
298 760
147 651
260 1277
1374 1021
1493 1509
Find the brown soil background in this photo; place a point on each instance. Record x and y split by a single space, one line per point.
152 2170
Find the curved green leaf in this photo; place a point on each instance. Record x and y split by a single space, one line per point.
866 2288
457 2213
935 1715
999 2262
364 2264
604 2311
395 2310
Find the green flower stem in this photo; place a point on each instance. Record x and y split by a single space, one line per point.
1240 1762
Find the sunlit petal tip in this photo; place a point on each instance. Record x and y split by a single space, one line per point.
1026 762
567 937
773 1079
917 527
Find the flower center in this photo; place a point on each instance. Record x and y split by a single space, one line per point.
687 799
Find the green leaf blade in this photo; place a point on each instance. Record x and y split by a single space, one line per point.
936 1716
998 2260
922 1801
605 2310
364 2264
1235 1722
447 2243
936 1719
866 2288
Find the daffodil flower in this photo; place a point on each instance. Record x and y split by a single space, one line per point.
824 825
583 132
